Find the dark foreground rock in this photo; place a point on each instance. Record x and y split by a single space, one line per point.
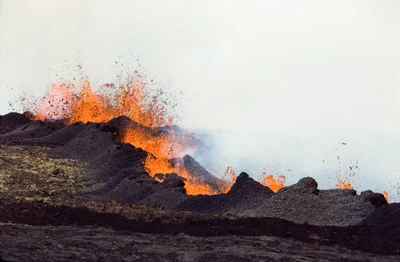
71 243
37 213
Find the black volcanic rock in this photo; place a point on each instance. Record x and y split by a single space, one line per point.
130 185
116 170
205 204
133 186
118 125
306 185
104 154
61 136
246 186
27 133
376 199
173 181
304 203
386 214
119 158
301 203
385 220
199 172
11 121
89 144
246 192
170 193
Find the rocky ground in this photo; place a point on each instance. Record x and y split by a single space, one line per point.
70 243
76 193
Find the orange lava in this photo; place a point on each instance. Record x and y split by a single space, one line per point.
131 100
386 195
162 165
141 105
273 182
343 184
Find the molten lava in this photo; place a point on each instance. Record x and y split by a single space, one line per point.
343 184
141 105
273 182
386 195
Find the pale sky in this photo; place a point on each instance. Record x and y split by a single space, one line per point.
289 80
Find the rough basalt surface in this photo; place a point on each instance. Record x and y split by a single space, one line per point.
302 203
245 193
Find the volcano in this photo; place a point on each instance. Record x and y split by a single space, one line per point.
63 182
